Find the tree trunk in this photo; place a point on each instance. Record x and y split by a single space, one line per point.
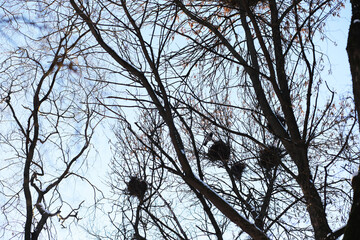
315 206
352 230
353 49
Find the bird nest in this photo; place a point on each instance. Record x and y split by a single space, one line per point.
219 151
270 157
137 187
240 4
237 170
138 237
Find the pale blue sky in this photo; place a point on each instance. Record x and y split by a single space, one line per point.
339 79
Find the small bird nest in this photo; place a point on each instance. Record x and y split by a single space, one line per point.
137 187
138 237
237 170
270 157
219 151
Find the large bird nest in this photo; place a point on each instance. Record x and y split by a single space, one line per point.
237 170
137 187
270 157
219 151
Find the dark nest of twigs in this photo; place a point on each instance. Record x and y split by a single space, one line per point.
237 170
270 157
239 4
137 187
138 237
219 151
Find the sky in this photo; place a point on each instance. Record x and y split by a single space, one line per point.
337 30
339 79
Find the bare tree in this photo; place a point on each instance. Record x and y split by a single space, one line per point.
223 131
47 125
250 73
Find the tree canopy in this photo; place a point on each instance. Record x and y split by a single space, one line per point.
222 124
